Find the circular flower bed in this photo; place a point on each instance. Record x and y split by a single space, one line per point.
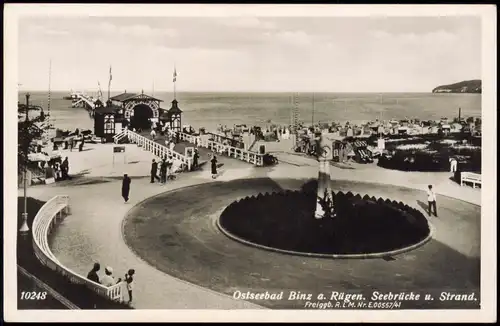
362 225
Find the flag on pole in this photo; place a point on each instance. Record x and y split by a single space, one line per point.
175 75
99 94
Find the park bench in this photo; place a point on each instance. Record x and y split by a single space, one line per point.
474 178
45 221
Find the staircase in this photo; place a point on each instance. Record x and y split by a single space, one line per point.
120 138
157 149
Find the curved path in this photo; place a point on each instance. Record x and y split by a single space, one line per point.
93 232
177 235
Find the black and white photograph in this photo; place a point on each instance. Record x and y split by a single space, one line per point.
250 163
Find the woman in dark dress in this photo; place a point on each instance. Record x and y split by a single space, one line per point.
214 166
125 187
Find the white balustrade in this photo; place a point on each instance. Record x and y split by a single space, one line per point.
44 222
238 153
158 149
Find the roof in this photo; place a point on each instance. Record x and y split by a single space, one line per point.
107 109
124 97
174 108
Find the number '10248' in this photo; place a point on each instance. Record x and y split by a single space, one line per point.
33 295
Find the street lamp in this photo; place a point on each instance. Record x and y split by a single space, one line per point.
24 228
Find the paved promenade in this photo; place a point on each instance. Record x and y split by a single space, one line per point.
94 230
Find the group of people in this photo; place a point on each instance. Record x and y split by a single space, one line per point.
73 142
164 167
61 170
56 169
108 279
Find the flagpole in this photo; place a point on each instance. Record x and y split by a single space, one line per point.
50 79
312 121
109 83
175 80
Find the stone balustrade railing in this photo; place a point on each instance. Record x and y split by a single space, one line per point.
44 222
238 153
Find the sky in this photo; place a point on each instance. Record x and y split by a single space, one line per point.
223 54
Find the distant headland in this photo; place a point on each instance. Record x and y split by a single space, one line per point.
466 86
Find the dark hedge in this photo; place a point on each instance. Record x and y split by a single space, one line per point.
286 221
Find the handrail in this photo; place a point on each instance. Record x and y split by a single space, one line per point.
158 149
44 222
238 153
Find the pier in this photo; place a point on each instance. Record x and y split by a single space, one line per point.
83 100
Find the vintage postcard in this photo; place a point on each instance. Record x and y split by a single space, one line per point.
250 163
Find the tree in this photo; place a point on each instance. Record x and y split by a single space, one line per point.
477 122
470 120
28 132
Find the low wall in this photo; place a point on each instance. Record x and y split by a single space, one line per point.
47 218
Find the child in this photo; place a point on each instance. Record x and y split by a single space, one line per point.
129 278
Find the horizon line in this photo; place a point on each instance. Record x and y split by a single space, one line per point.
234 91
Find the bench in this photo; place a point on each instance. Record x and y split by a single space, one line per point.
45 221
474 178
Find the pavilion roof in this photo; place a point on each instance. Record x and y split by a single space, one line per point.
175 108
124 97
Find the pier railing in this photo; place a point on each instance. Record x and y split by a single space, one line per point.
157 149
47 218
83 99
234 152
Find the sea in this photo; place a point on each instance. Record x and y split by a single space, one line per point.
211 109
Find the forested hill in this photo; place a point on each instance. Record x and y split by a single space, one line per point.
466 86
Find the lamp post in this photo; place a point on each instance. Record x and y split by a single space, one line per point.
24 227
325 155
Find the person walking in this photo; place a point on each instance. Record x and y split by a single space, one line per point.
196 156
163 171
154 169
213 161
153 134
65 169
431 199
453 164
80 147
126 187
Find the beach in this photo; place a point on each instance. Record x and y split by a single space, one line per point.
211 109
